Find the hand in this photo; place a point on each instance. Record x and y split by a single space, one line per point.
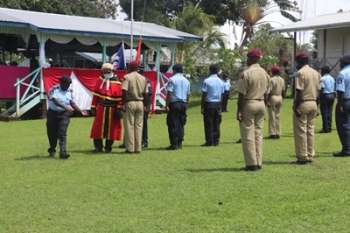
239 116
69 109
84 113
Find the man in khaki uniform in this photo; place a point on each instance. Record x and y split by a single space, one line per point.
277 87
253 88
134 97
307 87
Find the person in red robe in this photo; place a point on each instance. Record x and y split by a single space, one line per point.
107 106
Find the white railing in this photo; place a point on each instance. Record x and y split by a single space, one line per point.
33 87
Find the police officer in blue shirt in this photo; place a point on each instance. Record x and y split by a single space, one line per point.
342 116
327 99
61 107
212 91
178 95
226 95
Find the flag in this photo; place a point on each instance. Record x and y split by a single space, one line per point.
138 51
119 58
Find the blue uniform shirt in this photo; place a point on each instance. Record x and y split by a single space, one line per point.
227 85
327 84
64 97
343 82
179 88
214 87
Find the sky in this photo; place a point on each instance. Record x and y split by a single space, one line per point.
310 8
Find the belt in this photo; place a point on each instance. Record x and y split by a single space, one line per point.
107 103
308 100
255 99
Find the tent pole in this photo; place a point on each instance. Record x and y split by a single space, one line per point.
132 31
104 52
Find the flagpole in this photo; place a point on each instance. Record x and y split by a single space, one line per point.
132 30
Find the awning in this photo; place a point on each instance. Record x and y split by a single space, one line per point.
67 26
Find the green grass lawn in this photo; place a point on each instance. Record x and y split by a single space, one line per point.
192 190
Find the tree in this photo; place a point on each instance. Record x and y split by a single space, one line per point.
94 8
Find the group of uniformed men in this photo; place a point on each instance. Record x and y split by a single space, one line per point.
116 103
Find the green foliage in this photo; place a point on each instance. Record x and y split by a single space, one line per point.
229 61
94 8
199 190
272 44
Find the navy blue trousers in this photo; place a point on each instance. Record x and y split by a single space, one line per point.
176 120
326 106
343 125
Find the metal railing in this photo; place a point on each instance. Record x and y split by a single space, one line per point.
33 87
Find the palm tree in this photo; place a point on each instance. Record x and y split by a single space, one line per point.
194 20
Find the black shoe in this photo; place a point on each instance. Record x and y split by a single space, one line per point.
278 136
239 141
323 131
172 147
259 167
128 152
251 168
144 145
272 137
51 152
122 146
206 145
341 154
108 150
64 156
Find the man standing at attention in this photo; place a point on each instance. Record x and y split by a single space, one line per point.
134 98
307 87
226 95
212 91
327 97
178 96
343 106
253 88
277 87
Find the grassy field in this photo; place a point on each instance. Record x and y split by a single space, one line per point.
193 190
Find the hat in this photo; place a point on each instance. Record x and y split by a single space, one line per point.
275 69
255 53
107 66
133 65
302 56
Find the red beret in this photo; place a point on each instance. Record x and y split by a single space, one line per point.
302 56
133 65
275 69
254 53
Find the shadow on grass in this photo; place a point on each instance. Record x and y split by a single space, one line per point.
279 162
34 157
215 170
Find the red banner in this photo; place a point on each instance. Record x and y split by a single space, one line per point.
8 78
88 77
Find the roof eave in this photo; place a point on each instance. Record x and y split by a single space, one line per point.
309 28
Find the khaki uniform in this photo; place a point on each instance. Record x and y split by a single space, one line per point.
277 87
308 83
253 85
135 86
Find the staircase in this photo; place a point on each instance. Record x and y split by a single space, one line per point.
32 88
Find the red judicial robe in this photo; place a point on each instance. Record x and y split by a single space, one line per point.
107 100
